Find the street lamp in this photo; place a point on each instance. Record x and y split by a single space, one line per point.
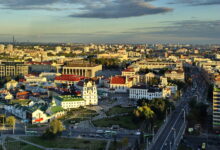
153 132
174 135
184 115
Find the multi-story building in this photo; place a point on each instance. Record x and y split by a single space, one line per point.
175 75
69 102
129 72
216 108
157 64
12 69
81 68
68 79
142 91
89 93
120 84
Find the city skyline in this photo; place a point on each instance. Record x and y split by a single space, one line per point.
108 21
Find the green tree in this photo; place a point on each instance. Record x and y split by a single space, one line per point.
144 112
56 126
11 120
55 129
158 104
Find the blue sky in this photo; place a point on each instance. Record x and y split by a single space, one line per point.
111 21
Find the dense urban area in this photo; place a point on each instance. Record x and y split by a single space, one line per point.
109 96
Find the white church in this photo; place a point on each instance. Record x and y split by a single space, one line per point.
89 93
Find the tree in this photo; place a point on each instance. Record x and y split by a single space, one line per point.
56 127
144 112
158 104
10 120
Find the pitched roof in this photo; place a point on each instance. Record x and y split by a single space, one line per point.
22 93
118 80
69 78
69 98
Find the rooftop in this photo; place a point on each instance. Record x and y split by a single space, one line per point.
118 80
69 78
56 109
69 98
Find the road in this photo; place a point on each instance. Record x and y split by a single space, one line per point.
166 140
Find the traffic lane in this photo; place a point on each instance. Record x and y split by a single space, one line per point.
166 133
175 130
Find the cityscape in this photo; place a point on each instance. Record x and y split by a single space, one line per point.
109 75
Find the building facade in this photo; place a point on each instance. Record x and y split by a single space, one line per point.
216 108
120 84
89 93
175 75
69 102
140 92
12 69
81 69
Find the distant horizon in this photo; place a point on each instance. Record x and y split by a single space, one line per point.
108 43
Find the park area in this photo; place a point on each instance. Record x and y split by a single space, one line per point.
77 115
117 115
68 143
117 110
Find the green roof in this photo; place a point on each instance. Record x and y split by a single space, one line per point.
69 98
217 89
56 109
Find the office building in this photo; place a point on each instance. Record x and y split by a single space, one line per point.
12 69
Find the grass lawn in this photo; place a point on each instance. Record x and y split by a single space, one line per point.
123 121
80 114
69 143
12 144
119 110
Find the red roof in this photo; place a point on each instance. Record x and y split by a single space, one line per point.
69 78
118 80
22 93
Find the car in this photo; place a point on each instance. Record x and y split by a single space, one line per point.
137 133
99 131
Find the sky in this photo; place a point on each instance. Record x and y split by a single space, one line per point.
111 21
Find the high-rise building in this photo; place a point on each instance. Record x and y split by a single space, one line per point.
89 93
216 108
12 69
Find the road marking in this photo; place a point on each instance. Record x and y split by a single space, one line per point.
172 127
